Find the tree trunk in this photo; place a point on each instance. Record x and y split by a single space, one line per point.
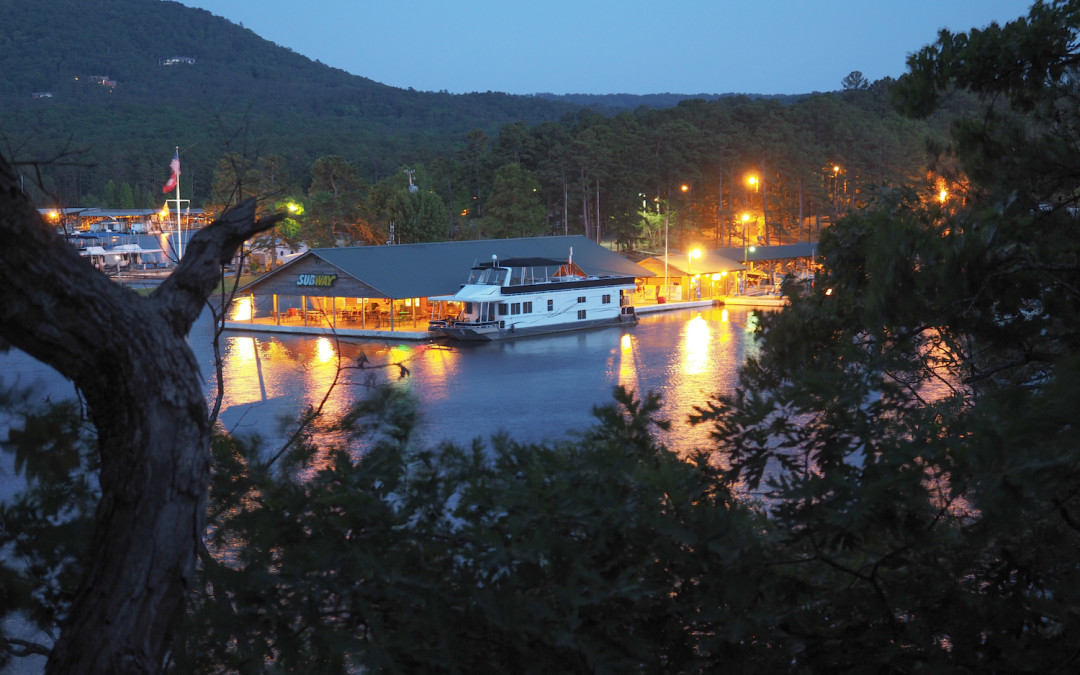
129 357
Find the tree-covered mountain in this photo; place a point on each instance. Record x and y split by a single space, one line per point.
129 79
124 81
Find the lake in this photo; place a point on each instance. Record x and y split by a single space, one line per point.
533 388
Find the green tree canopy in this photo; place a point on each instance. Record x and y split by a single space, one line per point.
514 208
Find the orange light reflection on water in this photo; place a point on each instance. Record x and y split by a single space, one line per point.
240 309
683 357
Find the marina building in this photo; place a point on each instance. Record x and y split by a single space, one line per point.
371 291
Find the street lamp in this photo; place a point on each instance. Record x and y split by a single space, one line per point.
836 190
690 255
688 193
745 220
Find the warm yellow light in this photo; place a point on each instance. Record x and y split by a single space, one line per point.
625 342
943 195
745 217
752 180
696 347
836 169
695 253
324 350
241 309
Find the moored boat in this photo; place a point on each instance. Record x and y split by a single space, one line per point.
532 296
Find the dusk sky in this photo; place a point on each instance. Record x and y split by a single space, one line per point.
608 47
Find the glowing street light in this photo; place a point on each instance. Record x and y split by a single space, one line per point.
690 255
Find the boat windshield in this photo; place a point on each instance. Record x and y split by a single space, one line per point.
493 276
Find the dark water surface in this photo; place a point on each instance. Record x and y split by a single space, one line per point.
534 388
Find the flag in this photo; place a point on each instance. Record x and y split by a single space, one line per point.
175 177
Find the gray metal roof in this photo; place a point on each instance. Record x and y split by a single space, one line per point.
425 270
708 263
781 252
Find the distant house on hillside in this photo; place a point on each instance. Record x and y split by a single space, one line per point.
178 60
103 80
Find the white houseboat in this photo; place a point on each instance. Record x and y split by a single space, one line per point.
516 297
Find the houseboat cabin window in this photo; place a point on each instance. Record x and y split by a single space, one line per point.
581 314
526 308
606 299
581 298
515 308
551 305
468 308
504 309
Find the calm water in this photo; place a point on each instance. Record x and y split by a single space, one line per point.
533 388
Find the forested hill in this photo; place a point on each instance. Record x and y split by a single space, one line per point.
619 102
128 78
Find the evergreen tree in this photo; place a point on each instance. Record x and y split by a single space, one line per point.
126 197
909 421
514 208
112 200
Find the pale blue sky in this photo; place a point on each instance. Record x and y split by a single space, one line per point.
608 46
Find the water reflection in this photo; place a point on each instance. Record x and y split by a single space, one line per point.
533 389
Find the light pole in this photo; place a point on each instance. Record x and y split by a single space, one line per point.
836 191
688 192
690 255
760 185
745 219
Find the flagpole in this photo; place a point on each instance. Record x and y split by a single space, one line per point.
179 233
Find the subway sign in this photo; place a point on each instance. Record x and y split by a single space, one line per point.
316 280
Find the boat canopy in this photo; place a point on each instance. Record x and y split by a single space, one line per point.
520 262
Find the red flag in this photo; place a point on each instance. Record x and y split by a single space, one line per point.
175 177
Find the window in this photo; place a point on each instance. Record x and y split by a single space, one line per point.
503 309
580 314
526 308
606 299
515 308
581 298
551 305
468 308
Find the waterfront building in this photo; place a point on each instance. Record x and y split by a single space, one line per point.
371 291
